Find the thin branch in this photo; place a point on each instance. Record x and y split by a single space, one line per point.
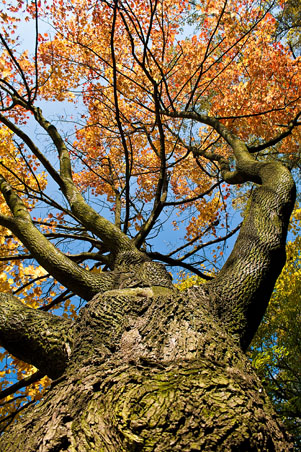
9 419
294 123
62 297
192 241
26 381
36 51
119 124
32 281
15 257
35 150
177 263
211 242
206 55
16 64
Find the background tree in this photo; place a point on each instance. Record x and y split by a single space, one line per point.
165 126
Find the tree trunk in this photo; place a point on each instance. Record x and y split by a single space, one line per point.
151 370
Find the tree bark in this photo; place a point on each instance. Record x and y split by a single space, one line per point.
151 370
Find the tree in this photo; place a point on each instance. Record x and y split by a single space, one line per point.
165 122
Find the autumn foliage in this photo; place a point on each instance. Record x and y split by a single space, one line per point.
114 73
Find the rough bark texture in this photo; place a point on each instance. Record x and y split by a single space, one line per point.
151 370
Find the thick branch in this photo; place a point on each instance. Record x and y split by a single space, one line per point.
241 291
67 272
113 238
247 168
36 337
